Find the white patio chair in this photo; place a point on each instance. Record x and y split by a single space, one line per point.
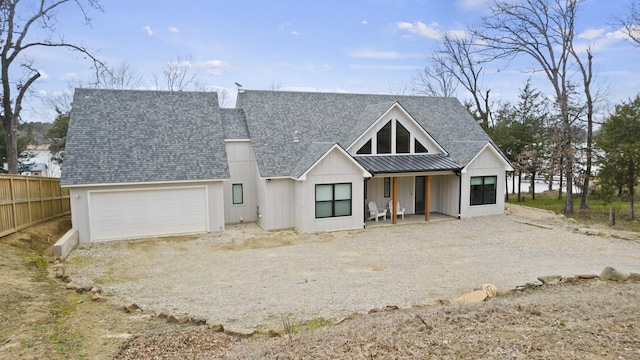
374 213
398 208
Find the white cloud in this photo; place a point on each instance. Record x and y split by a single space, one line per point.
419 28
43 75
70 77
364 22
212 67
174 29
621 34
591 34
293 32
147 28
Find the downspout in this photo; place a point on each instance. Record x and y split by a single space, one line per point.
459 192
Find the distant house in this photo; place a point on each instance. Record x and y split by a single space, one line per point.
152 163
34 169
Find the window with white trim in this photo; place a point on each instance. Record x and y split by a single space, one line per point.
333 200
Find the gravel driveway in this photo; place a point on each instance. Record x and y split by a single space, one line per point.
246 277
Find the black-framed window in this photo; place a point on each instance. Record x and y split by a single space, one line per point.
419 148
237 194
402 139
387 187
365 149
333 200
383 137
483 190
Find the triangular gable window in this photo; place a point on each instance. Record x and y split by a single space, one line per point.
383 138
365 149
403 139
419 148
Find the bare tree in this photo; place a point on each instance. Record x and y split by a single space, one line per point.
122 76
630 22
17 19
434 79
543 30
400 88
178 75
458 61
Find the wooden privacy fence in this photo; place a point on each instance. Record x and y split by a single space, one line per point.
28 200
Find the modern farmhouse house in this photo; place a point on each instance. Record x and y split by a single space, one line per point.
154 163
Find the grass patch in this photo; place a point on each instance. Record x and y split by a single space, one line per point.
596 214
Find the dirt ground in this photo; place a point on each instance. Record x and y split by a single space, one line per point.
589 319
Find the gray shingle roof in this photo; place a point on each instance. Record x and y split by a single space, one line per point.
130 136
276 118
234 124
407 163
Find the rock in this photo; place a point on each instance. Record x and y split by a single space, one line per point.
373 311
96 290
80 301
71 286
550 279
613 274
98 298
472 297
273 334
390 308
58 270
239 332
634 276
569 278
163 315
213 326
490 290
131 307
588 276
173 319
198 321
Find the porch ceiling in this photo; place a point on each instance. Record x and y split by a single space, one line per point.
409 163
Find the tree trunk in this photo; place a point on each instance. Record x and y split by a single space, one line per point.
533 185
561 178
612 216
11 141
632 189
519 185
506 187
513 182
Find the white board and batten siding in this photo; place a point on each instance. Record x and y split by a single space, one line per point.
242 170
276 199
126 212
487 163
406 197
445 194
334 168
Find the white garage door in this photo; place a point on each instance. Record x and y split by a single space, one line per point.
147 212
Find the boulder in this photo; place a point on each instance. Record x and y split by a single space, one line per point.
198 321
634 276
550 279
472 297
96 290
213 326
98 298
239 332
588 276
490 290
613 274
131 307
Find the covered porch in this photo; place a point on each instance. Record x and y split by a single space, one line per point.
422 187
409 219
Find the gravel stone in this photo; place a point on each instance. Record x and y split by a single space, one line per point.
249 278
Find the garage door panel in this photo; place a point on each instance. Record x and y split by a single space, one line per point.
147 212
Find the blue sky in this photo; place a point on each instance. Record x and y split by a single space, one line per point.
359 46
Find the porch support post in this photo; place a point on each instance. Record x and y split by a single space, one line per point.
394 201
427 198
